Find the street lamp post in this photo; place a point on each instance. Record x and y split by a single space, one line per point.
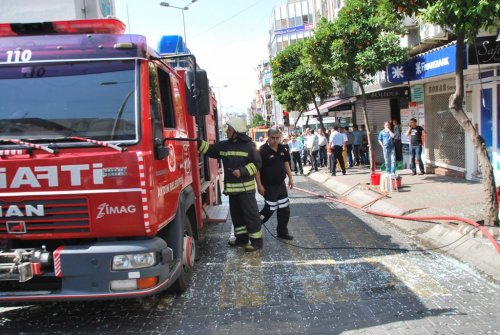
166 4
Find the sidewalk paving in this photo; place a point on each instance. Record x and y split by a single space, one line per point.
425 195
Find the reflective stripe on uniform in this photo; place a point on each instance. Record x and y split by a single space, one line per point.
204 147
282 203
240 187
251 168
240 230
256 235
234 153
273 205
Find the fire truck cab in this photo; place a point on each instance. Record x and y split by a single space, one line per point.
258 134
102 189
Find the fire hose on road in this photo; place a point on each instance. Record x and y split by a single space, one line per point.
409 218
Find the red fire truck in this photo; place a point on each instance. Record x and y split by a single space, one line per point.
102 189
258 134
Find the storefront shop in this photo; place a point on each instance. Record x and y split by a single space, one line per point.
431 77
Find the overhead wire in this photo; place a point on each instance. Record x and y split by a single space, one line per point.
227 19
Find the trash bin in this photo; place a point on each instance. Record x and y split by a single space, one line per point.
375 179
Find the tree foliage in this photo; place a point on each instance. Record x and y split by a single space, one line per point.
257 120
466 16
361 42
297 81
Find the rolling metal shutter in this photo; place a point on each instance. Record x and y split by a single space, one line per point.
378 111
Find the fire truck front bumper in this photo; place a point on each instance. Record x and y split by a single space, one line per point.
102 270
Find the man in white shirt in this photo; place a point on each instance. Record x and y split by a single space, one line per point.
295 147
337 143
312 142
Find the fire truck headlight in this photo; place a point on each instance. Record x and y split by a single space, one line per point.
134 261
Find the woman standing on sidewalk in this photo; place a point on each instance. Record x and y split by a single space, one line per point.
396 129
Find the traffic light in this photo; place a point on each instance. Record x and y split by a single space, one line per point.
286 119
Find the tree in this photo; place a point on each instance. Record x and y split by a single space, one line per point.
298 82
464 18
361 42
257 120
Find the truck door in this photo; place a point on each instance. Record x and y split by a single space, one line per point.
167 121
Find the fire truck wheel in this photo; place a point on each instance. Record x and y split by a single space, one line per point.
188 258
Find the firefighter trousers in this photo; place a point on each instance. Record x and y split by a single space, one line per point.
276 199
245 216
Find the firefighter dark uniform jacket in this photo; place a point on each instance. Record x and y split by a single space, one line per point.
239 154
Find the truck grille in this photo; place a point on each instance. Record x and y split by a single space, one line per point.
70 215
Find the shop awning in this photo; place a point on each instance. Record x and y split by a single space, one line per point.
323 109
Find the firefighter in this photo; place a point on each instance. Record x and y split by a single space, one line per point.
271 181
241 161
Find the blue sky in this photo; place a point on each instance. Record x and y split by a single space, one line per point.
228 37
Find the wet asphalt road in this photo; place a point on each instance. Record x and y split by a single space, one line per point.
346 273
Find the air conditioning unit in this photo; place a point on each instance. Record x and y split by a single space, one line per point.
409 21
431 33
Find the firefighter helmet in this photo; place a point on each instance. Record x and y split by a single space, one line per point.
237 124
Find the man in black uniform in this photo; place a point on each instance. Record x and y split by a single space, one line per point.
241 162
271 181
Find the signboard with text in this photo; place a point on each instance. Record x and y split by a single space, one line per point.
434 63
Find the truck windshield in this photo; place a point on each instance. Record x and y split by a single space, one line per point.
95 100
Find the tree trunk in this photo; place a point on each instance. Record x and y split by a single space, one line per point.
373 165
297 120
320 118
456 109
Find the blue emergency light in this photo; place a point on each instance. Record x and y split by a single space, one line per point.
172 44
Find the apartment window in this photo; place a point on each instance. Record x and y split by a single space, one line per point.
279 46
277 25
283 24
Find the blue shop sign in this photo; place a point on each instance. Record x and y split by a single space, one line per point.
434 63
289 30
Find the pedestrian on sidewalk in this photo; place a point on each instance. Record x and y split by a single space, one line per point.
271 182
306 156
364 149
385 138
337 144
322 142
295 147
398 147
415 133
356 144
313 143
344 147
350 141
241 162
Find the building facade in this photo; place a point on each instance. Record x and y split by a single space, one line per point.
420 88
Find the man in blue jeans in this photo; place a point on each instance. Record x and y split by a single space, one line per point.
385 138
415 133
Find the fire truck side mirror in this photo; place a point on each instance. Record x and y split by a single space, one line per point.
197 91
160 150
